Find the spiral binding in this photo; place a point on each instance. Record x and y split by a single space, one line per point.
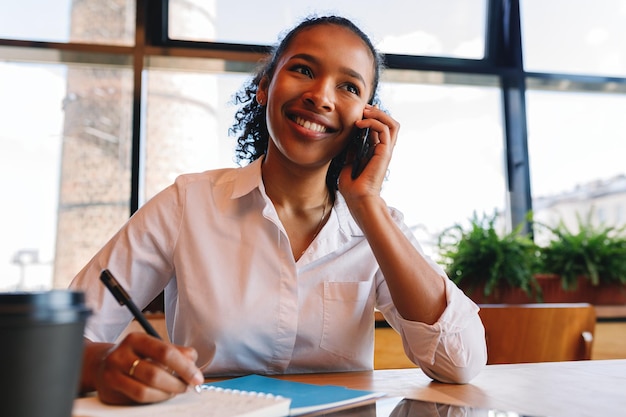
240 392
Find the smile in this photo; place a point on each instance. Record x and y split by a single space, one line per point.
310 125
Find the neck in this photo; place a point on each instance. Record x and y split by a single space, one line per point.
301 200
295 188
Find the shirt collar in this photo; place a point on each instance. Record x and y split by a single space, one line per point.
247 178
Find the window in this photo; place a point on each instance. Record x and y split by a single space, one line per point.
449 157
451 28
65 167
188 114
30 142
69 21
78 153
576 151
575 36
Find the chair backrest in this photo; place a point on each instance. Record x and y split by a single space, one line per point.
518 333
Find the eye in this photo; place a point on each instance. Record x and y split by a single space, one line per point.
302 69
351 88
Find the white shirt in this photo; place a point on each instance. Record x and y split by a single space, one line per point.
234 292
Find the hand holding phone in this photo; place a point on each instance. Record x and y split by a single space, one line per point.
363 152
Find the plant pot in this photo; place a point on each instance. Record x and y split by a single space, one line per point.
585 292
500 295
552 292
609 294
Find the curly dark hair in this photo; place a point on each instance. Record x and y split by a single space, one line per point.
250 126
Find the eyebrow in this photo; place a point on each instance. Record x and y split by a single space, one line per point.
345 70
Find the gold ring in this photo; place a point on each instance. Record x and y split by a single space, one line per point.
131 372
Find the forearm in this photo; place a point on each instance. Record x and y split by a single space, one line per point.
417 290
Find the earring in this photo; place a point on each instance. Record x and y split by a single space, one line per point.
260 99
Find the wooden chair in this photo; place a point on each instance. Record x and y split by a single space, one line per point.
518 333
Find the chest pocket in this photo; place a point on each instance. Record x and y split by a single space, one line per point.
348 323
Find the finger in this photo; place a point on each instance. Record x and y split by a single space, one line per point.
388 123
126 386
178 360
129 390
156 376
156 363
189 352
187 369
380 133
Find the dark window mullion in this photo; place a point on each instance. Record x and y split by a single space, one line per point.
137 122
506 47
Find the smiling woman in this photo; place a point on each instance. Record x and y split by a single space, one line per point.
309 250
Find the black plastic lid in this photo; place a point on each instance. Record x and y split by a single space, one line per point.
55 306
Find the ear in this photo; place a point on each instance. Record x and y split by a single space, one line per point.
261 91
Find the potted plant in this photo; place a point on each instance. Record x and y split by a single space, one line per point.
490 266
587 261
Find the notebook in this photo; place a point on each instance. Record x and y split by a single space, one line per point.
210 402
305 398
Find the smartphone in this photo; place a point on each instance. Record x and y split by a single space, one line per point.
363 152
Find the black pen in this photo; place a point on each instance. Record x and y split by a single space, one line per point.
124 299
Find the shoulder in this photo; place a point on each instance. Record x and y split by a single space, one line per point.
234 181
206 177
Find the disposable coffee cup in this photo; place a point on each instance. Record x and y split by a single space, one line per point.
41 347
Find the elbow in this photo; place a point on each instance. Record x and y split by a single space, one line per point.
457 369
454 374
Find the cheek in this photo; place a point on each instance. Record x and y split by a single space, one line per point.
354 114
343 143
271 118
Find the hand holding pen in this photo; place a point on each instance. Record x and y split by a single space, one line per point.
124 299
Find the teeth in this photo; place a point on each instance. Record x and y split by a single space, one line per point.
310 125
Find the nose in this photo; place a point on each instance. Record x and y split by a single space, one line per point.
320 95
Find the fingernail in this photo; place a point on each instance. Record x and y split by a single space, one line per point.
199 376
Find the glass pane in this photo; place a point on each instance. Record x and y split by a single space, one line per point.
87 21
64 152
448 161
574 36
576 149
188 114
451 28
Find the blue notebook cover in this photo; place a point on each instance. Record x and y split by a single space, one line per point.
305 398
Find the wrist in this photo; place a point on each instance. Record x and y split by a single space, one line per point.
93 360
367 209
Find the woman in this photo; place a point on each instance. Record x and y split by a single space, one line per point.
277 267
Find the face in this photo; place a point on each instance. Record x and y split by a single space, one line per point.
321 85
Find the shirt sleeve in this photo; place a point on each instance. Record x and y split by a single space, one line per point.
138 255
451 350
